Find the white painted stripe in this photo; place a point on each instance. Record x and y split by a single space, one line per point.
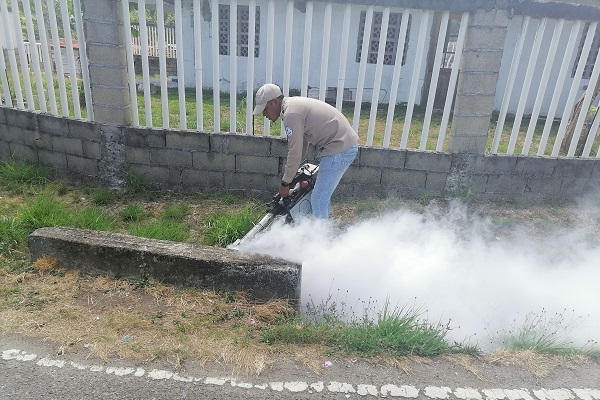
587 394
554 394
467 393
494 394
436 392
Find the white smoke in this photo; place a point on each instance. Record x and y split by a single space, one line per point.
452 265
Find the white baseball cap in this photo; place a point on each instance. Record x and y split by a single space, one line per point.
266 93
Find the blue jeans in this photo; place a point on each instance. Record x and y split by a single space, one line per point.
331 170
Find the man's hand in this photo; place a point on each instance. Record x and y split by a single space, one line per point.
284 191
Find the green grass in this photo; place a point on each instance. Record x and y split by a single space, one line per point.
225 228
163 230
133 212
175 212
397 332
15 175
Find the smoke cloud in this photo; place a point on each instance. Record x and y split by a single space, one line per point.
453 266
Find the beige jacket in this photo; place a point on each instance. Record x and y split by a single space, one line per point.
313 121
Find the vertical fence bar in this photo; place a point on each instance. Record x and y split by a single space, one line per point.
396 79
35 59
591 137
162 63
560 82
325 52
83 60
509 87
12 59
415 78
6 96
62 87
216 51
180 68
460 42
308 20
339 100
287 58
46 57
585 105
145 65
130 63
250 72
574 88
269 59
526 86
378 72
435 74
71 58
543 84
22 55
364 55
233 23
198 66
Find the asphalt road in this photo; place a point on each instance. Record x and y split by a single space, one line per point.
29 371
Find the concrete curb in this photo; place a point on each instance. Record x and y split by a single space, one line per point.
104 253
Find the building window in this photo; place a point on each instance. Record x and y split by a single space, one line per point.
243 30
391 44
587 71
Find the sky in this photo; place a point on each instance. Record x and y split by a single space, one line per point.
450 266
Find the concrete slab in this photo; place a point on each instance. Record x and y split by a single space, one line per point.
104 253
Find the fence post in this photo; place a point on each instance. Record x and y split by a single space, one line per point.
103 22
476 90
475 95
107 60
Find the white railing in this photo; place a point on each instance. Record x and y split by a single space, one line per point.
397 89
54 66
554 103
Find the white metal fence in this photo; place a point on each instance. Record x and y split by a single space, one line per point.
393 71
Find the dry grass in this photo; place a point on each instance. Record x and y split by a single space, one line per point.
109 318
538 364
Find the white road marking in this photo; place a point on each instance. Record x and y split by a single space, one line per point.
391 390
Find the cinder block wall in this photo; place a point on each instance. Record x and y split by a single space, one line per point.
190 162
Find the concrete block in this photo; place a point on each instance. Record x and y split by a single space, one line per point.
105 54
107 31
596 171
478 104
23 152
192 179
111 75
144 137
543 184
535 166
213 161
364 175
247 181
114 97
21 119
495 165
96 252
137 155
151 175
84 130
254 164
53 125
279 148
187 140
2 116
497 17
91 149
53 159
481 61
82 166
13 134
44 141
67 145
506 184
477 82
113 115
5 153
171 158
574 168
102 11
428 161
579 186
380 157
406 179
240 144
479 184
485 37
468 143
436 182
